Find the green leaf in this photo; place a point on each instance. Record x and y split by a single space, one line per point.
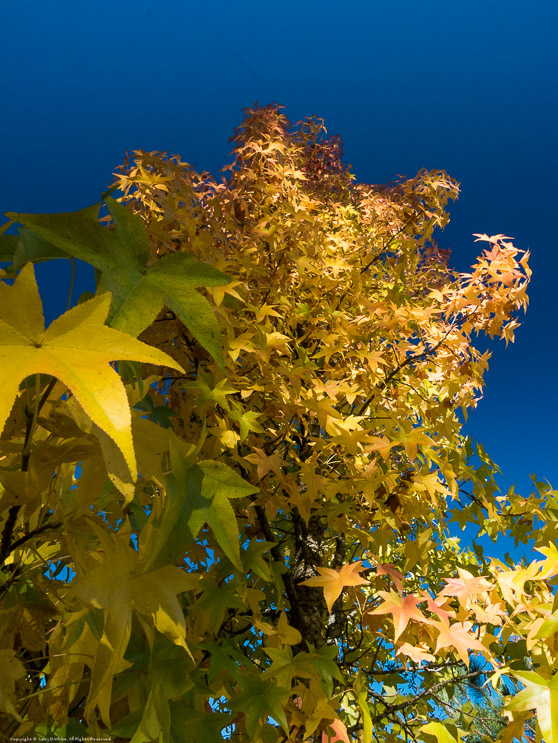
189 725
215 600
51 731
75 233
253 560
8 246
130 233
224 656
169 677
12 669
285 667
138 293
199 495
207 391
210 487
247 420
326 666
117 587
33 248
549 627
159 414
258 700
440 732
367 729
127 726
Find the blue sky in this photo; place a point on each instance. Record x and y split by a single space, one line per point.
469 87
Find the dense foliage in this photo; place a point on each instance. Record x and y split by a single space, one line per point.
238 525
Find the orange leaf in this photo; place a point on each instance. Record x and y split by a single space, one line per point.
415 653
334 581
339 733
402 608
394 573
441 608
465 586
458 636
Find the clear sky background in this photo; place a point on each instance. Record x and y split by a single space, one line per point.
466 86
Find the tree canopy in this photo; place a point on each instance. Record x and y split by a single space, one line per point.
239 525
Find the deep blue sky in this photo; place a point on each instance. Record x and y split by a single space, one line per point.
470 87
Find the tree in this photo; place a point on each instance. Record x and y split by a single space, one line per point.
479 708
237 526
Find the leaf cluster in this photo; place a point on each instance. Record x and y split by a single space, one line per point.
237 526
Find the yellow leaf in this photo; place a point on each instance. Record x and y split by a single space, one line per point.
540 694
287 634
416 654
118 586
334 581
77 349
12 669
440 732
458 635
549 567
512 582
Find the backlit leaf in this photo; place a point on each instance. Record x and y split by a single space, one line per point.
402 609
334 581
540 694
77 349
138 293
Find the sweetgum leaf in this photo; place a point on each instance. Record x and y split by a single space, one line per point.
200 495
121 254
440 732
77 349
259 700
34 248
8 246
169 678
540 694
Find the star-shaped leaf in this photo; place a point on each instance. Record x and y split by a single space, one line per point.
198 495
402 608
121 254
393 573
541 695
258 700
118 586
416 654
334 581
465 586
77 349
512 582
285 666
458 635
339 733
168 674
439 606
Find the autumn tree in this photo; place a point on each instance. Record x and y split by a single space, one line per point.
237 526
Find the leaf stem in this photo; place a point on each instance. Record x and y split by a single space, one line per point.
46 393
